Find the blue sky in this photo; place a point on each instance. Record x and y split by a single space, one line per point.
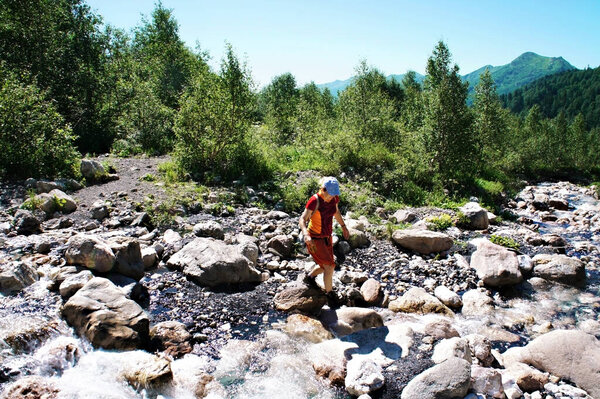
324 40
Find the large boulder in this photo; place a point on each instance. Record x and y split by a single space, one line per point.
128 257
26 223
56 200
92 170
211 262
417 300
358 238
450 379
346 321
101 312
282 245
74 282
495 265
90 251
422 241
298 296
477 216
14 276
569 354
451 347
171 337
559 268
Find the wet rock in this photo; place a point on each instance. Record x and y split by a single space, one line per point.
99 210
403 216
422 241
143 370
569 354
210 262
495 265
440 329
329 360
358 239
451 347
487 381
74 282
559 204
363 376
31 387
128 257
371 291
559 268
448 297
171 337
21 333
282 245
481 349
477 303
130 287
14 276
345 321
209 229
417 300
525 264
298 296
90 251
476 215
450 379
26 223
101 312
301 326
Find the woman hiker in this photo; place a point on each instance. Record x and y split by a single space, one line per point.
316 224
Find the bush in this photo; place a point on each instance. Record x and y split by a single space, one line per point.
34 139
295 196
505 242
440 223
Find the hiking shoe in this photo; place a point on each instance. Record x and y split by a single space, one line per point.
310 281
334 299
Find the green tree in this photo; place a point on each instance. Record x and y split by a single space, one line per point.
412 113
213 123
448 123
281 97
35 141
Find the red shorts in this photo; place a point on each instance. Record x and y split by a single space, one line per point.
322 251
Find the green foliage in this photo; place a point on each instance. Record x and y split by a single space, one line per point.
149 177
294 196
32 202
58 203
505 242
34 139
170 172
461 220
441 222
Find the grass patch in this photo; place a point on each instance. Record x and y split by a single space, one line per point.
505 242
440 223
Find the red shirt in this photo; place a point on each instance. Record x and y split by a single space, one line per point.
321 221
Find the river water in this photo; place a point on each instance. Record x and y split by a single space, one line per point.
275 365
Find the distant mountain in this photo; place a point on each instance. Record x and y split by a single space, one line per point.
572 92
522 70
339 85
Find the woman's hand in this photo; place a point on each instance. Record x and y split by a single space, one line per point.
310 243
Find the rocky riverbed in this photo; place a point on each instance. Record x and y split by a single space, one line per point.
96 302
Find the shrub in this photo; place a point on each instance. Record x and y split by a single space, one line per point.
505 241
35 141
440 223
32 202
294 196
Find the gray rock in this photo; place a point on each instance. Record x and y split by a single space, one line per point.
448 297
451 347
477 216
211 262
90 251
14 276
417 300
559 268
101 312
363 376
540 202
74 282
477 303
371 291
358 239
56 201
495 265
481 349
92 170
346 320
128 257
440 329
403 216
99 210
209 229
422 241
450 379
569 354
487 381
282 245
26 223
278 215
297 296
171 337
44 186
149 257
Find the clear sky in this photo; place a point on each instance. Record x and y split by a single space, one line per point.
324 40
